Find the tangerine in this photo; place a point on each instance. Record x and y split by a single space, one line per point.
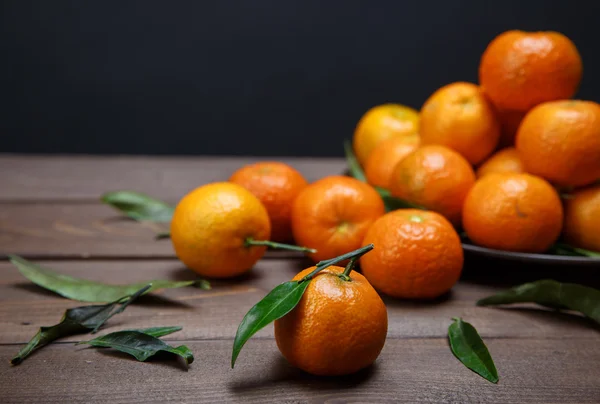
434 177
513 212
582 218
520 70
560 141
459 116
211 225
276 185
380 123
333 214
418 254
383 159
503 161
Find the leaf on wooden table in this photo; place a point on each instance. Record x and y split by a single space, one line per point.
468 347
85 290
159 331
139 206
553 294
76 321
276 304
140 344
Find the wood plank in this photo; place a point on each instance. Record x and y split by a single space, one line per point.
25 177
216 313
77 230
70 230
408 370
82 230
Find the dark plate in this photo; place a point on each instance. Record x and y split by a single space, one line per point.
547 259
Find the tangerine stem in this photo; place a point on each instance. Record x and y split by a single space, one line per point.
321 265
346 274
251 242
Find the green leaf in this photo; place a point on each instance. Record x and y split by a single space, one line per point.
353 165
553 294
566 249
159 331
76 321
468 347
139 206
89 291
139 344
279 302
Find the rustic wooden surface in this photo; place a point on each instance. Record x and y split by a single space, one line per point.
49 212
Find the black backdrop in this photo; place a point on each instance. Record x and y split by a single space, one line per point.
244 77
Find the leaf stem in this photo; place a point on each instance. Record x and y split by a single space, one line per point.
321 265
251 242
124 302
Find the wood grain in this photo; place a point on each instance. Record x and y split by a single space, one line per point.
75 229
82 230
216 313
408 370
88 177
49 212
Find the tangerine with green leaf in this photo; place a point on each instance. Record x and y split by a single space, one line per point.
338 327
329 320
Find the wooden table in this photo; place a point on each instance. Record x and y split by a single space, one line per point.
50 213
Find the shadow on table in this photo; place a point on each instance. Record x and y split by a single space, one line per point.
186 274
266 274
417 304
495 272
154 300
33 288
283 373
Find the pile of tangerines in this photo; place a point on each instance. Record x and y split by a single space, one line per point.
495 158
491 158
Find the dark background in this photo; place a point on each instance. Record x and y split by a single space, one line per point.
244 77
